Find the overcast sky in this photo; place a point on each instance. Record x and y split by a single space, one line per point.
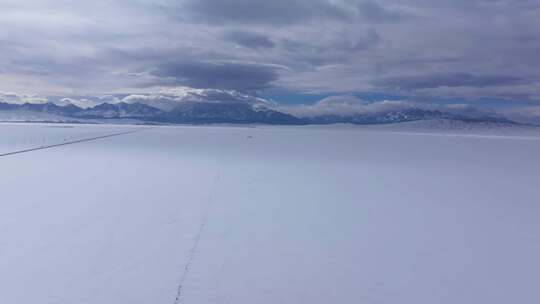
466 50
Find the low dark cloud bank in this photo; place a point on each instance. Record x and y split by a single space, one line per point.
249 39
218 75
276 12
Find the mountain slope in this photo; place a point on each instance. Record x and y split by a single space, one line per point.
120 110
204 112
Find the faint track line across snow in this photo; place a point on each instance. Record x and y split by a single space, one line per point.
204 223
67 143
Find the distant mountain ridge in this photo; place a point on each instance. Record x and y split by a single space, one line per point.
193 112
396 116
186 112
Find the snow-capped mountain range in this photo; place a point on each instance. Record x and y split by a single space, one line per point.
206 112
197 106
188 112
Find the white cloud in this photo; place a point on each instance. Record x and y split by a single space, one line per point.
344 105
348 105
81 103
169 98
18 98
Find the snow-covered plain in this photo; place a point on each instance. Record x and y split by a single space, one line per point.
17 136
269 215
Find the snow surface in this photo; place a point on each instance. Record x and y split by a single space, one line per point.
17 136
281 214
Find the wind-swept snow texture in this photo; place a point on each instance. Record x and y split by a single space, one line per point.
269 215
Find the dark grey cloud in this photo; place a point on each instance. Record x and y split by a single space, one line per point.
368 40
431 81
285 12
262 12
218 75
249 39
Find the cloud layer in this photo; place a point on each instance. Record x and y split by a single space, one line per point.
349 105
463 49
